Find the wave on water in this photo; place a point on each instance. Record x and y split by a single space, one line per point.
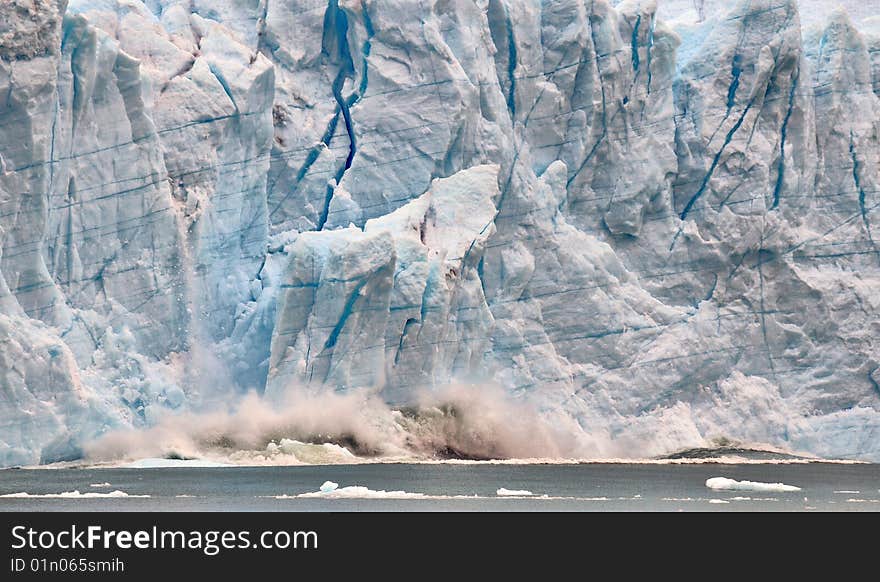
325 455
720 460
155 463
465 422
457 424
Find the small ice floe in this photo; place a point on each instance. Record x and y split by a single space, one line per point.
331 490
719 501
100 485
847 492
502 492
725 484
69 495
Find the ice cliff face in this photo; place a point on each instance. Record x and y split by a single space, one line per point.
662 233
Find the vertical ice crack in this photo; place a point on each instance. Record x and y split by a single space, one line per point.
403 334
650 50
777 190
604 133
635 44
346 71
481 277
511 66
862 196
224 84
501 31
763 308
426 294
592 152
347 310
735 72
732 89
71 200
705 182
52 145
368 46
310 160
344 107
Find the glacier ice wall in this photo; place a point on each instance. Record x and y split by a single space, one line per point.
662 233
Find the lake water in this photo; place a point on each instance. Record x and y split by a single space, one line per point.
445 487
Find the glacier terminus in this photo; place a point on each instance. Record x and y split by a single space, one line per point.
655 232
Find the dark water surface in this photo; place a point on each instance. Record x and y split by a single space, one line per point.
586 487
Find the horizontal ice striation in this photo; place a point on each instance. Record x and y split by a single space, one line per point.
664 232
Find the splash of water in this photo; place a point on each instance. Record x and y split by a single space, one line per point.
461 421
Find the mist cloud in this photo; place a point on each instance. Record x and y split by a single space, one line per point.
464 421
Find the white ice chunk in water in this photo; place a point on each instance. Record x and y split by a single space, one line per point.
68 495
725 484
502 492
329 486
359 492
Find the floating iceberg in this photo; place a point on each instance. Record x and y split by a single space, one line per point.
70 495
725 484
359 492
502 492
329 486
